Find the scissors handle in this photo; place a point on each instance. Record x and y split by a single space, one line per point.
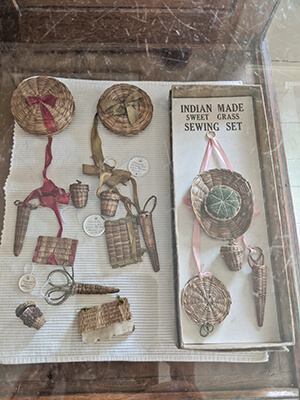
62 295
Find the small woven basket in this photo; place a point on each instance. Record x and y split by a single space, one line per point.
109 201
119 124
226 228
232 255
206 299
30 117
31 315
79 194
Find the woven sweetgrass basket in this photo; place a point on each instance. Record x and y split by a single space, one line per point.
30 117
227 227
206 299
119 124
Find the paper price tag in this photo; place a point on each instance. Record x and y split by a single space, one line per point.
138 166
94 225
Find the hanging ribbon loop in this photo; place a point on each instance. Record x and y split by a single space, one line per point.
48 119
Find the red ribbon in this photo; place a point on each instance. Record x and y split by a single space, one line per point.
49 194
47 117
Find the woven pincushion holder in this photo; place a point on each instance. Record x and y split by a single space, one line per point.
125 109
222 201
30 117
205 299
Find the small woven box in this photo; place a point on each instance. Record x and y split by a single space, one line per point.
105 321
55 250
123 242
42 106
109 202
125 109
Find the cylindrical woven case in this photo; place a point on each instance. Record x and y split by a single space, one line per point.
109 201
123 242
23 214
31 315
30 117
79 194
145 220
120 124
259 279
233 255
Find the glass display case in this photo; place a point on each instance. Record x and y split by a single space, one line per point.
167 116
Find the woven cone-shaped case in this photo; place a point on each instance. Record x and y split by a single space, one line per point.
233 255
259 279
145 220
97 317
120 124
23 214
89 288
79 194
121 249
31 315
63 249
206 299
224 229
109 201
30 117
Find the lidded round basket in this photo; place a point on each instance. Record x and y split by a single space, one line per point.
42 106
125 109
222 201
205 299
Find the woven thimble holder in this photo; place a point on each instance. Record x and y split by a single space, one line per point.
31 315
42 106
109 201
55 250
123 242
232 255
79 194
23 215
125 109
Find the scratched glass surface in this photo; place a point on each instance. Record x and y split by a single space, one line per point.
240 42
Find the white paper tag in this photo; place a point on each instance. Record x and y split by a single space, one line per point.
138 166
94 225
27 283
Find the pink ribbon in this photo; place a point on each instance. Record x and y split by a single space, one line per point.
48 119
49 194
213 144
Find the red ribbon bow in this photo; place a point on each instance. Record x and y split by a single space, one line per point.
49 194
48 119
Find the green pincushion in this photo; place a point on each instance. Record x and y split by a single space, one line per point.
223 202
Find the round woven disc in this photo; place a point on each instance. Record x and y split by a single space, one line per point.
120 124
206 299
30 117
223 229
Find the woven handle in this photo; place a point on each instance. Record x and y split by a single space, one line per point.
88 288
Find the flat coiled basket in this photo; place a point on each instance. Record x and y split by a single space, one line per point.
119 124
30 117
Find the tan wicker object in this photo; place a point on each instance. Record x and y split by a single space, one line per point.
30 118
31 315
79 194
109 202
63 249
105 315
23 215
120 124
206 299
145 220
123 242
259 279
224 229
232 255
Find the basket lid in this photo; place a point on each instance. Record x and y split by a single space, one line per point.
222 201
125 109
42 106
